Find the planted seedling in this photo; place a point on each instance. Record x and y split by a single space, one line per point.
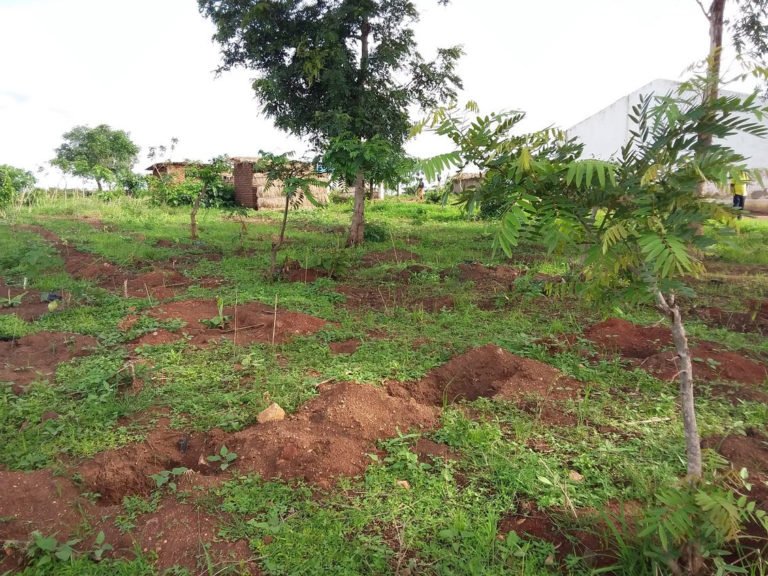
219 321
12 302
167 477
225 457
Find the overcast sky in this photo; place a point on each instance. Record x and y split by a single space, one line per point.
146 66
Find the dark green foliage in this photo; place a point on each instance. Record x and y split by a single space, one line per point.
100 154
163 190
14 182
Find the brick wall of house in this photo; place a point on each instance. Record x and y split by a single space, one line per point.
245 193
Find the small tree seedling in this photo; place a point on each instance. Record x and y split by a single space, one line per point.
224 457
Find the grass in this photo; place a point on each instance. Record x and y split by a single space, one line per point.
404 515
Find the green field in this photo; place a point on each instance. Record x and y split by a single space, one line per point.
409 448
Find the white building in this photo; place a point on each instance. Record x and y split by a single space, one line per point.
605 132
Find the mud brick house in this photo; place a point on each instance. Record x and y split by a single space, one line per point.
251 188
176 170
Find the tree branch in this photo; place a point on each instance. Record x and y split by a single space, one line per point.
704 11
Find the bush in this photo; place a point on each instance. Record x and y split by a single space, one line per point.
14 181
165 191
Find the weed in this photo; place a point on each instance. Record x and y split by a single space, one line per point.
168 477
225 458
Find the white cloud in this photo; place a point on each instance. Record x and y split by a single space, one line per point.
146 66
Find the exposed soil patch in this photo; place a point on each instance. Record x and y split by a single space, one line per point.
159 283
407 273
428 450
246 323
538 525
30 308
391 297
753 320
328 437
293 271
629 340
709 364
388 256
345 347
750 451
489 278
36 356
177 533
490 372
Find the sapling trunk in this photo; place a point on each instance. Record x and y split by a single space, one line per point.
193 214
276 245
357 228
692 440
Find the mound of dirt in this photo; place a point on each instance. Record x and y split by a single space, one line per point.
754 320
345 347
750 451
38 501
493 278
391 297
388 257
182 534
30 308
627 339
489 372
328 437
117 473
246 323
710 363
36 356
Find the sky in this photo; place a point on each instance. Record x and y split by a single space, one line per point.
148 67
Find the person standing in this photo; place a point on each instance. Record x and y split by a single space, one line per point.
739 189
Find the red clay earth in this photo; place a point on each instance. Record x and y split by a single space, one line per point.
329 437
176 531
36 356
391 297
345 347
755 319
642 344
246 323
392 256
489 278
159 283
30 308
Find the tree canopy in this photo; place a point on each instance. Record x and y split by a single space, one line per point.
14 181
100 154
335 71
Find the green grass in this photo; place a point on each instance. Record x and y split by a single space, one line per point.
625 441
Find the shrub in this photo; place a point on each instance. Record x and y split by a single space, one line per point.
13 182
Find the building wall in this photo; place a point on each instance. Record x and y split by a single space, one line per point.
605 132
245 193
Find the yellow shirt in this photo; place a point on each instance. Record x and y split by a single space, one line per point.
740 184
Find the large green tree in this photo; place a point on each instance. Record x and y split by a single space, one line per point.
336 71
100 154
14 181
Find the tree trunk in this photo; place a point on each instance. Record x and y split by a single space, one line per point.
715 15
193 214
276 245
357 229
692 440
98 185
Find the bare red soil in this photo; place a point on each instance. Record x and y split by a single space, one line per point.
160 283
245 323
490 372
392 256
755 319
390 297
645 345
30 308
35 357
489 278
345 347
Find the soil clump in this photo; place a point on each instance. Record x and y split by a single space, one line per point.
36 356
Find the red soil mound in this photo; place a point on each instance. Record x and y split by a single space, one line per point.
246 323
750 451
36 356
490 372
754 320
345 347
30 308
328 437
709 364
492 278
391 297
629 340
389 256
